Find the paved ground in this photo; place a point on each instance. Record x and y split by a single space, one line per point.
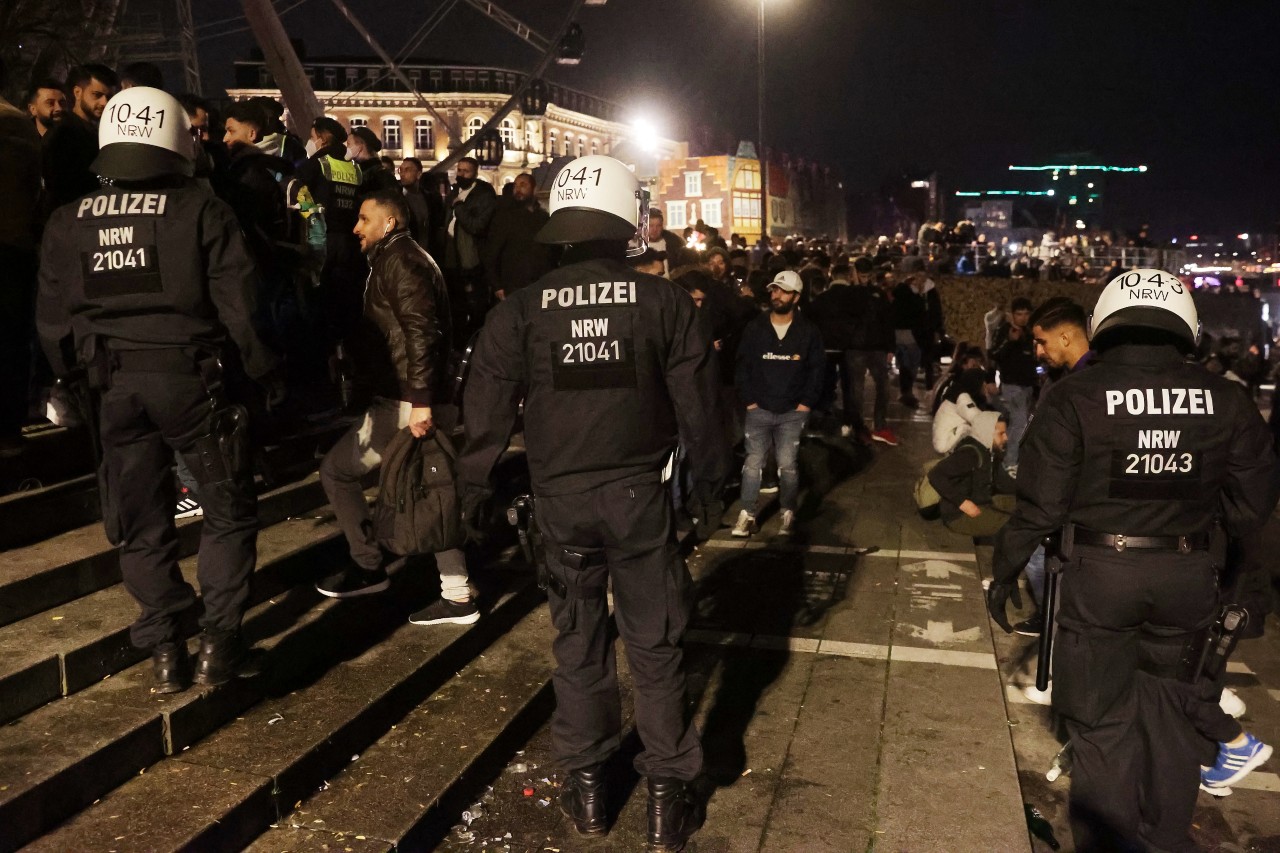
853 698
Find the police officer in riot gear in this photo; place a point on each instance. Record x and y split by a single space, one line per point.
1133 461
613 367
144 283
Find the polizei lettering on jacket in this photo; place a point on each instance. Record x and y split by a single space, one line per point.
1160 401
122 204
585 295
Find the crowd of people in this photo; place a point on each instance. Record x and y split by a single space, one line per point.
319 268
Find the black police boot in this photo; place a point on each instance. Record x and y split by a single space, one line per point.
171 666
673 815
582 800
224 657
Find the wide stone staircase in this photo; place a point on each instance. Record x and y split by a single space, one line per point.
370 725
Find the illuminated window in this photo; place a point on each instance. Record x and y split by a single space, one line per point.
676 218
508 131
551 141
567 148
693 184
424 138
711 212
391 133
746 198
474 125
582 145
595 146
357 121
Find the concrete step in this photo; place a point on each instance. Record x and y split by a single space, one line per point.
41 576
51 454
60 651
408 789
57 507
336 684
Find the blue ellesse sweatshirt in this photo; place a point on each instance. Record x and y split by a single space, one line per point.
779 375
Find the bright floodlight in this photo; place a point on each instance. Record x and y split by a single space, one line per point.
919 185
645 134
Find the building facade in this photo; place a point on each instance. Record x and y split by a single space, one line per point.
462 99
725 192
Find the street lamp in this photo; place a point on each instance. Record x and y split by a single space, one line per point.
764 163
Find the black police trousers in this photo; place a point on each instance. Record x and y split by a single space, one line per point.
625 534
1124 621
145 417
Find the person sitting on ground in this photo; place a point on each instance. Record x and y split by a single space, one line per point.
977 493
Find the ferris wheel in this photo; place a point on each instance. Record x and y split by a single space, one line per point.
564 47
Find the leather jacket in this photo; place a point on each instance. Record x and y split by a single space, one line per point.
402 346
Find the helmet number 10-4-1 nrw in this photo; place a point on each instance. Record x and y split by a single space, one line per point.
579 177
120 113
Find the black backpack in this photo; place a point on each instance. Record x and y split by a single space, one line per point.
417 511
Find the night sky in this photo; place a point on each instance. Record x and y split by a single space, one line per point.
1188 88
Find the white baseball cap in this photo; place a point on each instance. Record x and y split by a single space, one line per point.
788 281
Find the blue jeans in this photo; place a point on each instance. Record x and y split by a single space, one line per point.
1036 576
1017 404
781 432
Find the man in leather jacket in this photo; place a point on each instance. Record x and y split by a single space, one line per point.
399 348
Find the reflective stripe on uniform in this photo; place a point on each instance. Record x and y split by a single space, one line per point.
340 171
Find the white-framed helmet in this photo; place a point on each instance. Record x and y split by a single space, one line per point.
144 133
1146 298
597 198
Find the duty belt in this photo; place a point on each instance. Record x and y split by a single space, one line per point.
1122 542
159 360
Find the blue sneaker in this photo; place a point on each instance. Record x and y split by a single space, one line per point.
1235 762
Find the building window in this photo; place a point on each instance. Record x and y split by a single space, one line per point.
582 146
331 78
551 142
264 78
455 80
357 121
474 125
415 77
531 137
595 147
567 149
747 177
471 81
676 218
693 184
484 81
711 212
437 80
391 136
424 139
508 131
352 76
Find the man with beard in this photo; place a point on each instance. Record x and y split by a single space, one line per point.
47 105
512 257
779 379
470 210
71 146
249 185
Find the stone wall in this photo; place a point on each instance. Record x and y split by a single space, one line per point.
965 299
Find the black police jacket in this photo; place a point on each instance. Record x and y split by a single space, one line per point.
612 366
146 268
1143 443
403 340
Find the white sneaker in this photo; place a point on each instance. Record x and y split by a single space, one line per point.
1040 697
188 506
745 526
788 523
1215 792
1231 704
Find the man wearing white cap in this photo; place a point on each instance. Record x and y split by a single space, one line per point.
779 378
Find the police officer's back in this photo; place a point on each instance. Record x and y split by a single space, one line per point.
1134 459
148 285
612 366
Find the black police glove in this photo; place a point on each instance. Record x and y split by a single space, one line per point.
998 594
